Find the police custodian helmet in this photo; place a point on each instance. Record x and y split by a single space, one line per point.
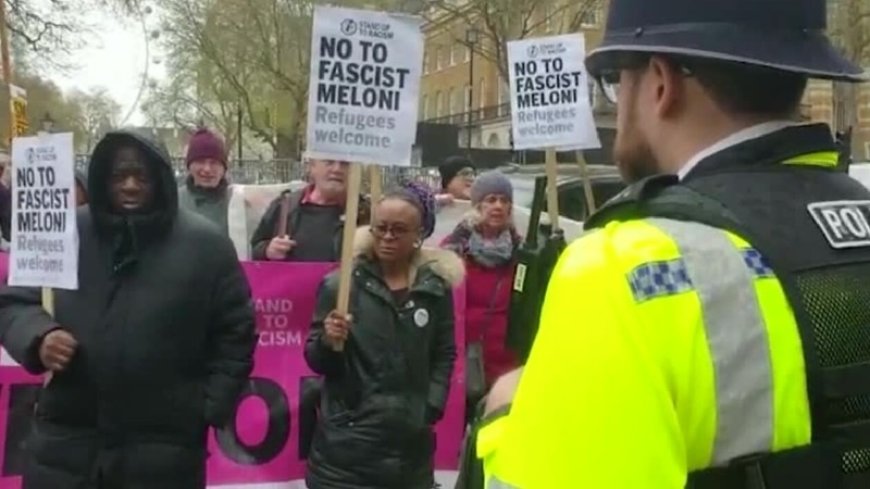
786 35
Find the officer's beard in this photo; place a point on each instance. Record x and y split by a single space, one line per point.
638 164
633 153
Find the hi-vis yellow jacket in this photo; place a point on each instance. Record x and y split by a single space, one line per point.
664 347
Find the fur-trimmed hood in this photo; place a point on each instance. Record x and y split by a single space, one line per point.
444 263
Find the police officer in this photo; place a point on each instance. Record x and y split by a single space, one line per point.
713 329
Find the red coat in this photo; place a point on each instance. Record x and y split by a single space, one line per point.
488 297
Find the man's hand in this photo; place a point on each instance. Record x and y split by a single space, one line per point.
57 349
279 247
503 391
444 199
336 327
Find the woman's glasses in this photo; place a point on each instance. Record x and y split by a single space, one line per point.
466 173
381 231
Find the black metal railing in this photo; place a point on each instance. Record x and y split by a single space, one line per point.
497 112
267 172
483 114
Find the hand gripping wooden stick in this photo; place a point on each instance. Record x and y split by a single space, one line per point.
350 217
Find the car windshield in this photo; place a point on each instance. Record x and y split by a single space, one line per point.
572 198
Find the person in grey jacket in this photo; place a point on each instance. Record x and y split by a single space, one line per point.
152 349
206 190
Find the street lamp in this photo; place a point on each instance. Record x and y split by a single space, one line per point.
47 123
471 38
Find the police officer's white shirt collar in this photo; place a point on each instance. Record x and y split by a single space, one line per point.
741 136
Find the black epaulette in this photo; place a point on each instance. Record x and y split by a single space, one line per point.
664 196
627 204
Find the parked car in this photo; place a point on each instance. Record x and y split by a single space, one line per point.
606 183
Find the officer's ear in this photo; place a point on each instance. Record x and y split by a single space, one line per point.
665 78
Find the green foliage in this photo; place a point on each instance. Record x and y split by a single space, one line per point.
86 114
229 54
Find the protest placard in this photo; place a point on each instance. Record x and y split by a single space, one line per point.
550 105
363 87
44 244
362 101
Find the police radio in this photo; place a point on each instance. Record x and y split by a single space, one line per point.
536 259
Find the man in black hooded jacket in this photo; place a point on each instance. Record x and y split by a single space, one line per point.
153 348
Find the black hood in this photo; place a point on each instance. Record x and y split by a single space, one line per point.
165 207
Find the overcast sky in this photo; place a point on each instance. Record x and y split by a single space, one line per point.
115 59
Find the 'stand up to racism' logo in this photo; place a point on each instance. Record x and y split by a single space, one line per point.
553 49
365 28
532 51
348 27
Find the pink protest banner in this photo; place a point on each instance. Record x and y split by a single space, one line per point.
4 267
265 447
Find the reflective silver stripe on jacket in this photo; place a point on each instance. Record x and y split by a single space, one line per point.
494 483
736 334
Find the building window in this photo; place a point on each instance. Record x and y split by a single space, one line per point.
481 94
424 107
432 109
458 102
445 109
467 97
450 96
438 104
504 90
453 54
591 17
439 58
467 53
426 60
549 20
593 93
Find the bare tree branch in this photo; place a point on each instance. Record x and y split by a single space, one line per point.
500 21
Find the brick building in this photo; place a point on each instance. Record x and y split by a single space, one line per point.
819 107
445 96
462 87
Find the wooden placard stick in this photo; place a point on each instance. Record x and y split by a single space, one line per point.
48 305
587 183
47 292
552 169
48 299
350 217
